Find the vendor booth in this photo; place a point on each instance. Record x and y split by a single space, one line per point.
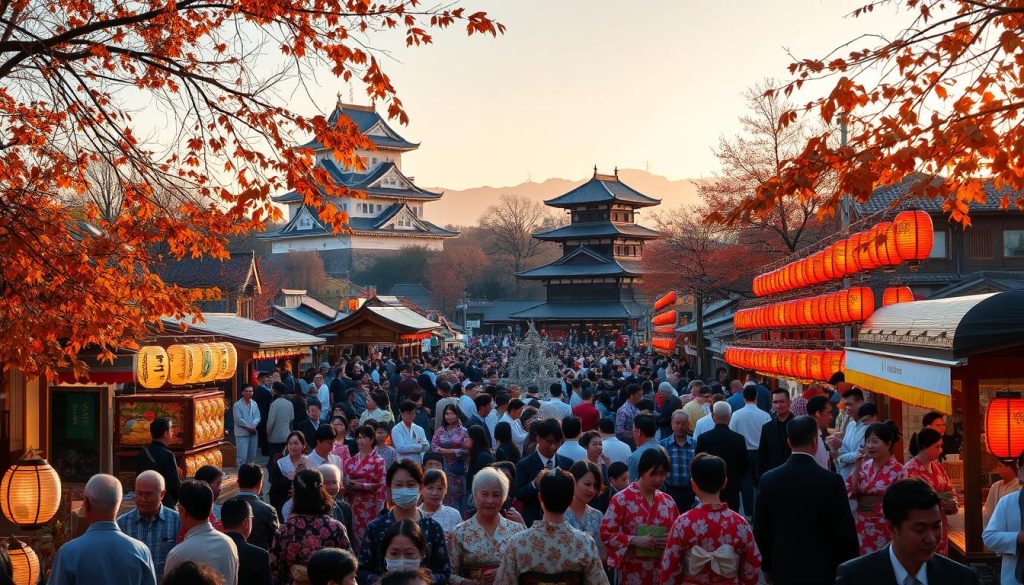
960 356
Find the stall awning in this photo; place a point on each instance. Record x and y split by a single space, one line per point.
923 382
251 335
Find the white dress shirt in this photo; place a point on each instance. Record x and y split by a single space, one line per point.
318 460
519 434
410 443
1001 536
901 573
748 421
822 454
571 449
615 449
555 409
703 425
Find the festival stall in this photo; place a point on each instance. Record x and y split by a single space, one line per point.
378 324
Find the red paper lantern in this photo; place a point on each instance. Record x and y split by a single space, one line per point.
827 262
860 303
839 259
897 294
874 236
852 254
814 361
800 365
816 306
914 235
885 245
1004 425
842 303
817 261
799 277
865 247
831 363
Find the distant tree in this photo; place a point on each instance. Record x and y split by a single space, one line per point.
452 271
299 270
508 227
409 265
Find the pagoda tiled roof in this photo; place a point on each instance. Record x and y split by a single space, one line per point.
572 310
364 225
581 262
598 229
603 189
896 196
365 182
366 118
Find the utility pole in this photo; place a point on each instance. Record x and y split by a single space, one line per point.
844 219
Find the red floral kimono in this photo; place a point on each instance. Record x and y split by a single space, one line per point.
627 511
711 545
934 475
368 496
871 529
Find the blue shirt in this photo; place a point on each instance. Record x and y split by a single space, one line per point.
103 554
634 459
157 534
680 456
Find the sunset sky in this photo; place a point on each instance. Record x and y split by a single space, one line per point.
578 82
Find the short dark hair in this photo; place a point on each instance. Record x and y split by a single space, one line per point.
571 427
780 390
234 512
195 498
654 459
407 406
249 476
587 437
646 424
158 427
405 577
325 433
555 488
432 476
190 573
802 431
330 564
867 409
515 404
432 456
367 431
886 431
931 417
854 392
407 528
905 495
749 393
555 389
708 472
549 429
633 389
209 474
606 426
617 468
309 495
501 399
301 437
587 393
409 465
481 401
817 404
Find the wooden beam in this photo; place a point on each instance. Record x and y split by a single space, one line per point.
971 454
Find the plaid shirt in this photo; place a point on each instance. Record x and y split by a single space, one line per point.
159 534
680 456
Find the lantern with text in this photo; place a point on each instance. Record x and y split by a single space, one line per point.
853 254
885 245
865 250
1004 425
814 369
860 303
914 235
839 259
151 366
897 294
181 365
24 563
30 491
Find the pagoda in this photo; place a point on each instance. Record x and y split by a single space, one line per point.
388 219
592 290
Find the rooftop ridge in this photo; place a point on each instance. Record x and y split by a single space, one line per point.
344 106
603 177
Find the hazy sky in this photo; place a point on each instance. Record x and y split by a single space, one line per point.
578 82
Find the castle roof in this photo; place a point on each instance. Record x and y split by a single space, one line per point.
306 223
598 229
584 262
371 124
603 189
384 180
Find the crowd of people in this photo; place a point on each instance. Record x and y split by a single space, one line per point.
627 470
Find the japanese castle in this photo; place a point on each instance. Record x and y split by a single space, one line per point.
594 285
391 216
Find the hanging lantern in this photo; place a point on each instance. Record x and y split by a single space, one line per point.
832 362
885 245
914 234
871 241
208 366
24 563
151 366
839 259
222 359
842 303
860 303
806 312
897 294
815 317
181 365
852 254
800 365
1004 425
814 361
665 300
828 262
30 491
232 359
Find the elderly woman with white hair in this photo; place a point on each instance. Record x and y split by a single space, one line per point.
478 544
341 512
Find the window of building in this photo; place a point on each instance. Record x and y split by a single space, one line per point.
305 223
378 208
979 243
1013 243
939 248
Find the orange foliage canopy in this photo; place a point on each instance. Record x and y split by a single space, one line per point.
73 278
944 97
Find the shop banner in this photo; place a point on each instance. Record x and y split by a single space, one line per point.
915 382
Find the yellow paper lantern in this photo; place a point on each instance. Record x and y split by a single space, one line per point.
30 491
220 360
207 367
232 360
197 362
182 364
151 367
24 563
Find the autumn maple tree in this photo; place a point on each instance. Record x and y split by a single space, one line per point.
73 75
944 96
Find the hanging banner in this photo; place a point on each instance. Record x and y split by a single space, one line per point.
915 382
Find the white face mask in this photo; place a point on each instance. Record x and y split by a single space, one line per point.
405 497
403 564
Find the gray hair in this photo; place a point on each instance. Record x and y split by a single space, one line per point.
665 387
489 477
103 492
330 469
153 476
721 410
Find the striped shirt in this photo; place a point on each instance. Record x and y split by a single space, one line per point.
159 534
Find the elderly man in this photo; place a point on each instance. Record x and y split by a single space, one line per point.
680 447
203 544
247 417
150 521
729 446
103 554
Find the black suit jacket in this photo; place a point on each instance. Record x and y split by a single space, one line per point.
158 457
526 471
253 562
803 524
876 569
731 447
309 431
773 449
264 521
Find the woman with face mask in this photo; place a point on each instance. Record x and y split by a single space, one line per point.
404 481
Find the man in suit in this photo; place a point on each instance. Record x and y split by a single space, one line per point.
264 517
729 446
772 449
263 397
309 426
158 457
253 561
549 439
483 408
912 514
802 520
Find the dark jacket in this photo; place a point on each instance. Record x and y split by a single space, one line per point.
159 458
342 512
264 521
253 562
526 471
773 450
731 447
308 431
876 569
802 523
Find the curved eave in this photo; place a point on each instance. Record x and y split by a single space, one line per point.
566 233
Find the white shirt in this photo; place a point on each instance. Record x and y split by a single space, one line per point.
318 461
467 406
323 394
853 439
704 425
491 421
204 544
1001 535
901 573
615 449
571 449
822 455
555 409
246 415
409 443
519 434
748 421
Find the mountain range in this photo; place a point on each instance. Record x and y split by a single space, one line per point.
465 206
